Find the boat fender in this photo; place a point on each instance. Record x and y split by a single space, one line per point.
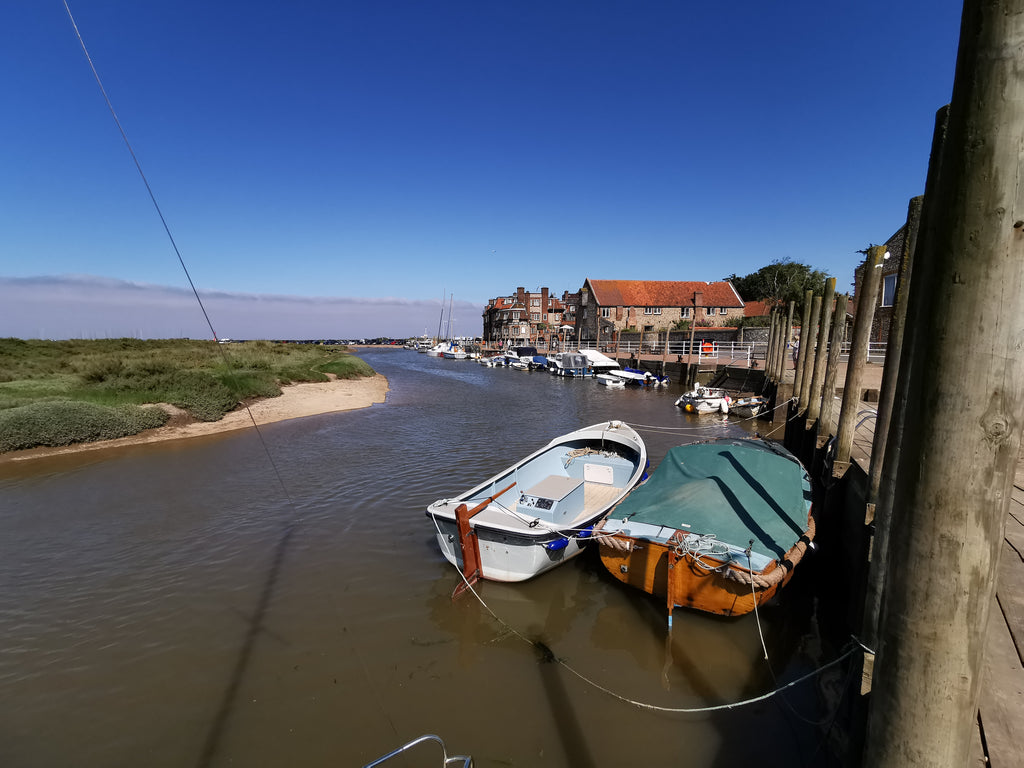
585 533
557 544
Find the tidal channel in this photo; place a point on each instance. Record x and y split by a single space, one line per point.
232 600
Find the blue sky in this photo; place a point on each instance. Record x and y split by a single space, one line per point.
355 162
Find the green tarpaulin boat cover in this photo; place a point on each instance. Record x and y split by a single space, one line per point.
735 489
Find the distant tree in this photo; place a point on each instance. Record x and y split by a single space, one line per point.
780 282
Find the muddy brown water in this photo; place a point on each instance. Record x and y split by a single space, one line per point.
231 601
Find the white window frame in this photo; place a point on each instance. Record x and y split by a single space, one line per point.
723 311
890 294
606 311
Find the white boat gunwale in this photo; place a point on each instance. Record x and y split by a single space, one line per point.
613 448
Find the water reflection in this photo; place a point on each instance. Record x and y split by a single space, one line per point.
173 605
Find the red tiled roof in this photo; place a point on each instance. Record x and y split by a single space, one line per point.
662 293
756 309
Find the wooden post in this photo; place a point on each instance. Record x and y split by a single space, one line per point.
867 299
835 344
785 341
769 371
879 507
821 353
691 367
804 336
808 338
893 349
962 427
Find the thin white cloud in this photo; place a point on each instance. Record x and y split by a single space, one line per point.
88 306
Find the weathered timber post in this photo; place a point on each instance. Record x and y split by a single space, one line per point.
802 351
691 367
769 352
780 343
835 346
962 429
821 355
893 351
867 298
808 337
785 341
880 512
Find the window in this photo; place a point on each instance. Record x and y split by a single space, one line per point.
534 302
648 328
709 311
889 290
535 317
606 311
584 313
723 311
515 315
652 310
684 312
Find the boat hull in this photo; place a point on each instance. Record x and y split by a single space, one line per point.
719 527
541 511
647 566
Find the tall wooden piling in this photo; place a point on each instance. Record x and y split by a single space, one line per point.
821 353
867 298
893 349
808 337
835 345
880 495
802 349
779 345
786 339
962 427
769 352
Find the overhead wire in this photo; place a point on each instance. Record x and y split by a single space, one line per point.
174 245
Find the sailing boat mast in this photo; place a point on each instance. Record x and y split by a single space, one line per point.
450 297
440 320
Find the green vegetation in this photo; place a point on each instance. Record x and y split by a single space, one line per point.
62 392
780 282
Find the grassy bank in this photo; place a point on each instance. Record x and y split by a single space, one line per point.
56 393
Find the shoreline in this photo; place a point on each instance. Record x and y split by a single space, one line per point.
295 402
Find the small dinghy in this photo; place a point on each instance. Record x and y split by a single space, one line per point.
748 407
705 400
539 512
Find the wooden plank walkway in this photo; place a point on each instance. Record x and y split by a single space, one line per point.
1001 706
1000 716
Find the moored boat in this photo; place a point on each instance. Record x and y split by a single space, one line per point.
748 407
539 512
705 400
569 364
719 526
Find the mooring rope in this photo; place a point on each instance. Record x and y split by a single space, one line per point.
174 246
854 647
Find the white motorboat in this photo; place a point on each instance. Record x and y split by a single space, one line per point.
540 512
611 380
569 364
705 400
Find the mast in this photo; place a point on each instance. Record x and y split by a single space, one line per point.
441 318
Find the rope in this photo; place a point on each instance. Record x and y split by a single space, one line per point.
174 245
549 655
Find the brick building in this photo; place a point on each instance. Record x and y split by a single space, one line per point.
527 317
610 306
